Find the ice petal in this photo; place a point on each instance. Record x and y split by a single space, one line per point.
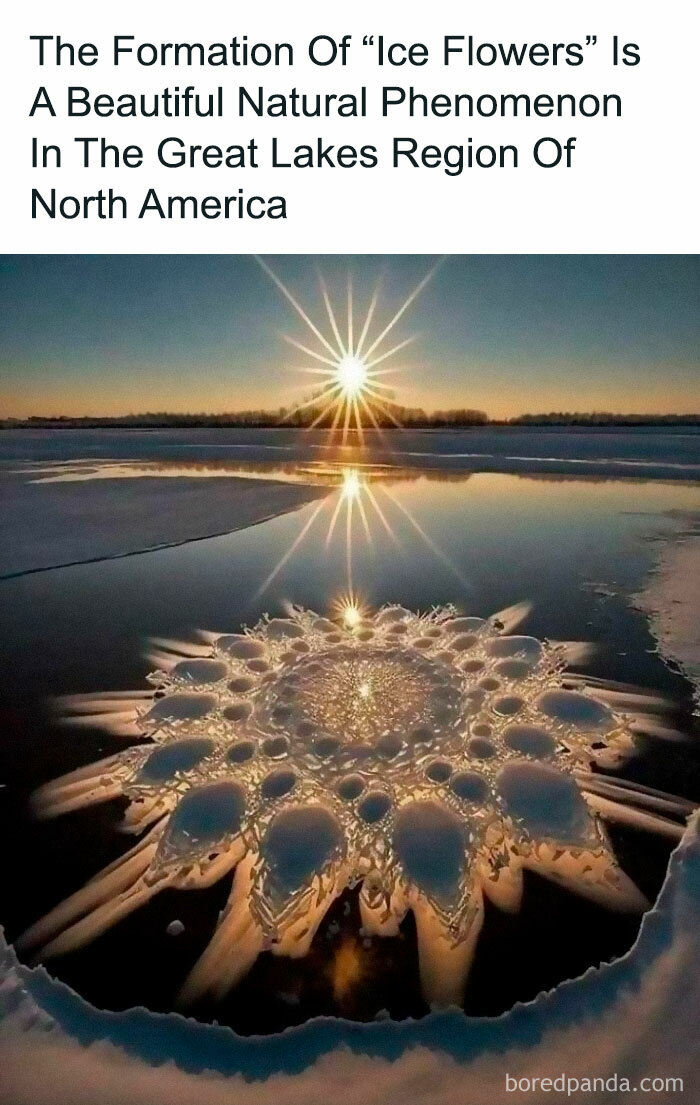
545 804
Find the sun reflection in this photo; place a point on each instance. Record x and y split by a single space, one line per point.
351 486
347 969
352 616
352 395
353 498
350 611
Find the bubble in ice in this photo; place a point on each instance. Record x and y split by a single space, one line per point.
426 758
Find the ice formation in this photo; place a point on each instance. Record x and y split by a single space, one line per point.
428 758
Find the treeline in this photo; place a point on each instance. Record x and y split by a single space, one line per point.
603 418
391 415
386 416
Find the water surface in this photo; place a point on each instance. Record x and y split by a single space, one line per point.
576 547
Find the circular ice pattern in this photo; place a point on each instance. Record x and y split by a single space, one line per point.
428 758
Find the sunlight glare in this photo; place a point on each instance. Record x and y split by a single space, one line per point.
351 374
352 396
351 616
351 485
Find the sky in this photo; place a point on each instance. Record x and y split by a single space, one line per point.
110 335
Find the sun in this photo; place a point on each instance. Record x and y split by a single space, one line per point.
352 375
426 759
353 395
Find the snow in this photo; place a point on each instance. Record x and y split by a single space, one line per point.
671 600
48 525
633 1017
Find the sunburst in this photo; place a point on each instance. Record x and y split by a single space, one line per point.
352 394
353 500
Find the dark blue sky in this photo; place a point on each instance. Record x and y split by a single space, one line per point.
113 334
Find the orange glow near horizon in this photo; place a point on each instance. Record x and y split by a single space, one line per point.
103 399
113 336
353 396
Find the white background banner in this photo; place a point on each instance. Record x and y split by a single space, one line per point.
631 186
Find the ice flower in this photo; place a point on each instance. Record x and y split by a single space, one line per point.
426 758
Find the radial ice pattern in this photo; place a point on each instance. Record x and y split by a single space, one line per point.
429 758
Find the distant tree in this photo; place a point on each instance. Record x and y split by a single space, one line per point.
603 418
386 417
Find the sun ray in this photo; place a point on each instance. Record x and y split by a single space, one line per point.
368 321
319 417
297 306
365 522
370 413
336 420
291 550
381 515
367 406
375 388
385 410
350 319
379 390
309 352
346 423
334 519
348 544
391 371
358 421
331 316
320 398
391 352
350 491
428 540
402 310
378 396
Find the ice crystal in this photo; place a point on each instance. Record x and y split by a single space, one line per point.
429 758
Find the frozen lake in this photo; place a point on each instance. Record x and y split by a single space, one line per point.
543 448
569 520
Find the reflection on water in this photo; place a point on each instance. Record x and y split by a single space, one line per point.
84 471
324 473
399 508
576 548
